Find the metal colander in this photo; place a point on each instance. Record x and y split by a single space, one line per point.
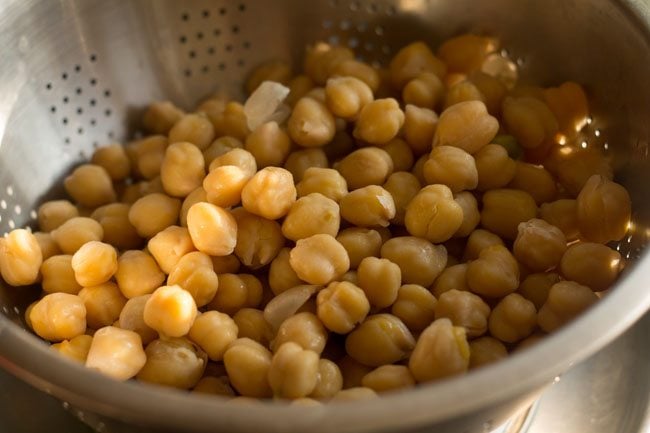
76 74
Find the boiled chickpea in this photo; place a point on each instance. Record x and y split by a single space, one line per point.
282 277
388 378
304 329
194 273
362 71
300 161
461 92
193 128
326 181
370 206
536 181
495 168
251 324
182 169
562 214
132 319
477 241
486 350
329 381
161 116
247 364
118 230
513 318
411 61
236 291
466 125
259 240
311 123
237 157
400 154
20 258
174 362
196 196
379 340
213 332
380 279
214 386
346 96
223 185
433 214
504 209
219 147
440 351
103 304
402 186
535 287
565 301
95 263
114 160
58 316
269 144
573 166
471 214
466 53
310 215
341 306
494 274
170 310
367 166
52 214
359 244
464 309
147 155
47 245
414 306
90 185
419 260
319 259
270 193
75 349
293 372
322 60
168 246
529 120
539 245
231 121
604 210
117 353
452 278
593 265
492 89
452 167
153 213
58 275
379 121
419 128
213 230
425 90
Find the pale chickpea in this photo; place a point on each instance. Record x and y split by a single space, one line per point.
451 278
593 265
452 167
132 319
47 245
569 104
213 332
566 300
400 154
154 186
326 181
504 209
167 247
477 241
238 157
604 210
367 166
466 125
247 364
103 304
494 274
58 316
411 61
118 230
461 92
236 291
486 350
269 144
300 161
419 260
402 186
193 128
182 169
75 349
114 160
223 185
90 185
388 378
529 120
270 193
219 147
573 166
341 306
293 372
197 196
52 214
464 309
251 324
117 353
330 380
492 89
346 96
379 121
195 274
153 213
471 214
433 214
282 277
440 351
231 121
370 206
419 128
495 168
357 69
513 318
305 329
466 53
311 123
311 215
319 259
539 246
322 59
20 258
535 287
174 362
147 155
562 214
359 244
425 90
379 340
414 306
161 116
95 263
58 275
536 181
380 280
213 230
271 70
259 240
170 310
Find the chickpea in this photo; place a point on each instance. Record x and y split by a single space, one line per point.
319 259
161 116
326 181
282 277
419 128
379 340
305 329
467 52
379 121
536 181
213 230
76 232
380 279
566 300
103 303
20 258
167 247
269 144
477 241
433 214
414 306
419 260
573 166
370 206
90 185
464 309
219 147
494 274
236 291
237 157
513 318
251 324
95 263
47 245
352 372
258 240
311 124
359 244
495 168
322 59
440 351
569 104
402 186
400 154
114 160
505 209
593 265
214 386
195 274
486 350
425 90
182 169
272 70
356 69
193 128
367 166
329 380
461 92
116 352
213 332
174 362
197 196
346 96
539 246
411 61
223 186
452 167
132 319
310 215
118 230
58 317
529 120
75 349
535 287
52 214
270 193
300 161
562 214
232 121
293 372
248 364
471 214
153 213
148 155
154 186
341 306
491 88
354 394
388 378
170 310
604 210
452 278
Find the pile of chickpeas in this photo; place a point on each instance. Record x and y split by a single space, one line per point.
348 231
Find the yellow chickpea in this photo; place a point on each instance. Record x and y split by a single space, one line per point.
90 185
326 181
58 317
464 309
237 157
419 260
414 306
161 116
305 329
310 215
58 275
259 240
451 278
214 386
213 230
569 104
229 264
440 351
402 186
219 147
195 274
425 90
132 319
477 241
341 306
319 259
504 209
355 394
103 304
536 181
379 340
461 92
433 214
197 196
236 291
20 258
47 245
379 121
252 325
400 154
153 213
293 372
539 246
174 362
562 214
282 277
380 279
367 166
168 246
118 230
114 160
419 128
529 120
117 353
269 144
604 210
231 121
223 186
182 169
95 263
52 214
514 318
495 168
535 287
147 155
388 378
272 70
471 214
370 206
494 274
486 350
466 53
75 349
346 96
566 300
300 161
270 193
355 68
329 381
247 364
573 166
170 310
213 332
452 167
411 61
492 89
193 128
593 265
466 125
311 123
322 59
359 244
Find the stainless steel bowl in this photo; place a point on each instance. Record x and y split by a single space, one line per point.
75 74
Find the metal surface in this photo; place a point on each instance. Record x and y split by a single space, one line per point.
74 74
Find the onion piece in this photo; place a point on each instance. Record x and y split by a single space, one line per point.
287 303
265 104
